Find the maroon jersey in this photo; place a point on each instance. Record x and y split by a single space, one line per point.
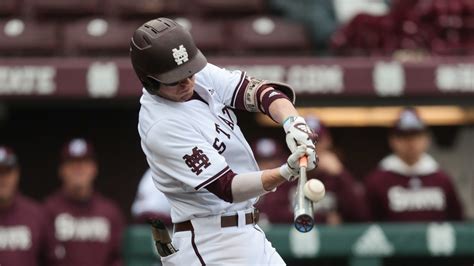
422 192
87 233
342 197
23 239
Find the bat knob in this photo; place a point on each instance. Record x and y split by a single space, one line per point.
304 223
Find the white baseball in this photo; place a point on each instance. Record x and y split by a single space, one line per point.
314 190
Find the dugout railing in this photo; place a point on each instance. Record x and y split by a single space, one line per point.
352 244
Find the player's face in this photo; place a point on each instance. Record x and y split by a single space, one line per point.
410 147
8 183
179 92
78 175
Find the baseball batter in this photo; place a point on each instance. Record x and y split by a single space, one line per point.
197 153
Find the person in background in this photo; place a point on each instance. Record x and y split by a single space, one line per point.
23 225
344 200
269 154
86 225
150 203
409 185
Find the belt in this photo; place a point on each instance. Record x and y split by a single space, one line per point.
226 221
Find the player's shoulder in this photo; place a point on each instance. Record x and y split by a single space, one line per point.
107 204
28 204
105 200
208 69
52 198
212 73
164 116
55 202
441 175
170 126
377 175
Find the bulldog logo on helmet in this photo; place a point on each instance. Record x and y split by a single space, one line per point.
180 55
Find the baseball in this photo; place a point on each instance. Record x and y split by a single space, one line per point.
314 190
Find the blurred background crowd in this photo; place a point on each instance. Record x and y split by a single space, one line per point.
387 84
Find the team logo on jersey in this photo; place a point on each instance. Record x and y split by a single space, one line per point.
180 55
196 160
15 238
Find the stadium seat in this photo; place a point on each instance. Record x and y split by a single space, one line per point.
9 7
151 8
63 8
270 34
21 37
230 6
99 36
208 35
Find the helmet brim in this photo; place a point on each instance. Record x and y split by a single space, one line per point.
196 64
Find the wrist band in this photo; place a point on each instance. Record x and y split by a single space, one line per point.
286 119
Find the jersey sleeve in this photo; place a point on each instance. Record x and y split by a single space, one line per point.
237 90
181 152
226 83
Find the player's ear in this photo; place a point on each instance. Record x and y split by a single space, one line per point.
151 85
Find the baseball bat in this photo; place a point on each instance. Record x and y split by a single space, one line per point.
303 209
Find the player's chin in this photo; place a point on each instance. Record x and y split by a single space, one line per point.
186 96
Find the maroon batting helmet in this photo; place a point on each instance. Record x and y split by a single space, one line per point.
162 51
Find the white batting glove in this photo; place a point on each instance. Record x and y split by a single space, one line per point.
298 133
291 170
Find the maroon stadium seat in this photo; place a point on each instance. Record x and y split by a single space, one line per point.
17 36
151 8
208 35
9 7
63 8
230 6
270 34
99 36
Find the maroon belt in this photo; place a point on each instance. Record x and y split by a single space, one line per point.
226 221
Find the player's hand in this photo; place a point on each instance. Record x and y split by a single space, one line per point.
298 133
291 170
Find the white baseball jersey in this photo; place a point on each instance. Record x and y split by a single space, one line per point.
190 144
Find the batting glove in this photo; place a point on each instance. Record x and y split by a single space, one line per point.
298 133
291 170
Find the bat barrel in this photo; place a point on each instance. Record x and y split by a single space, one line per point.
303 208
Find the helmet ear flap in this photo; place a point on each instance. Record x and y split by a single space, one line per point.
151 85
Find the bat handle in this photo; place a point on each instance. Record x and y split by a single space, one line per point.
304 161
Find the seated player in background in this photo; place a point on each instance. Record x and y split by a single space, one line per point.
269 153
23 225
408 185
344 200
87 226
150 203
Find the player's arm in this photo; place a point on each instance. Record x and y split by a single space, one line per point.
275 99
245 186
276 104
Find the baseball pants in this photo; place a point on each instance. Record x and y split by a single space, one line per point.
209 244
